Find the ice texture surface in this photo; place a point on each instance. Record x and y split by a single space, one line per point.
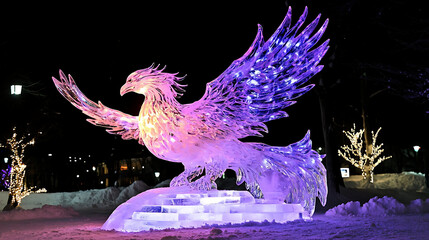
178 207
204 135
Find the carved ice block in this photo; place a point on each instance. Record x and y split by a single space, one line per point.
155 210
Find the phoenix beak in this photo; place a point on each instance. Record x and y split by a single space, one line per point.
126 88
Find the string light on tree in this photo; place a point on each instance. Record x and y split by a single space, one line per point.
366 160
17 188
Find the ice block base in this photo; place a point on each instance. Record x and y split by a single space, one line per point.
183 208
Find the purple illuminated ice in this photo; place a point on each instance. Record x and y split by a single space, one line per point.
5 176
204 135
180 207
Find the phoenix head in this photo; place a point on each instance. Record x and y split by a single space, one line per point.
152 81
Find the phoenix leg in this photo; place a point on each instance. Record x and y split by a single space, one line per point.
186 177
207 182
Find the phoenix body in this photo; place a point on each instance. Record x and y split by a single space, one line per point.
204 135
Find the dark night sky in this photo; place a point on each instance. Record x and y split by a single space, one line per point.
100 45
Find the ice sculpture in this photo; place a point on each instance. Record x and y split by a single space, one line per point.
204 135
178 207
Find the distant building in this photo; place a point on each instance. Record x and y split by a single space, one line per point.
125 171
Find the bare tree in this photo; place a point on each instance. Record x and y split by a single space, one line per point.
364 158
17 188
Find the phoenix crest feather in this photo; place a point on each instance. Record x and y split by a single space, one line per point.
204 135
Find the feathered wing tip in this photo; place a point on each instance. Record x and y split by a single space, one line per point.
295 170
68 88
115 121
271 74
288 60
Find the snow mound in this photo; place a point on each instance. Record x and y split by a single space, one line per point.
95 198
165 183
47 211
102 198
108 198
407 181
131 191
379 207
419 206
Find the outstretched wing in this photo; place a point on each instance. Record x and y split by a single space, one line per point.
256 87
115 121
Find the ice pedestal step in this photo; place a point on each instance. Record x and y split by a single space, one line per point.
148 222
181 208
215 217
223 208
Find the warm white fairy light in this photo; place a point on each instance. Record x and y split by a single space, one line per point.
367 159
17 189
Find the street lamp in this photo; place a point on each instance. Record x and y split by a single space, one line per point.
416 149
15 89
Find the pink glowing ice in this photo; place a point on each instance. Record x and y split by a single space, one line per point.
204 135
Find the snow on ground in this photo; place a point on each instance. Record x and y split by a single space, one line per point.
407 181
108 198
379 207
394 214
321 227
47 211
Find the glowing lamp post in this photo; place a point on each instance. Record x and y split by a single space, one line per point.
15 89
416 149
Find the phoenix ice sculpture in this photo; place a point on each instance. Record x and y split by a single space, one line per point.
204 135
